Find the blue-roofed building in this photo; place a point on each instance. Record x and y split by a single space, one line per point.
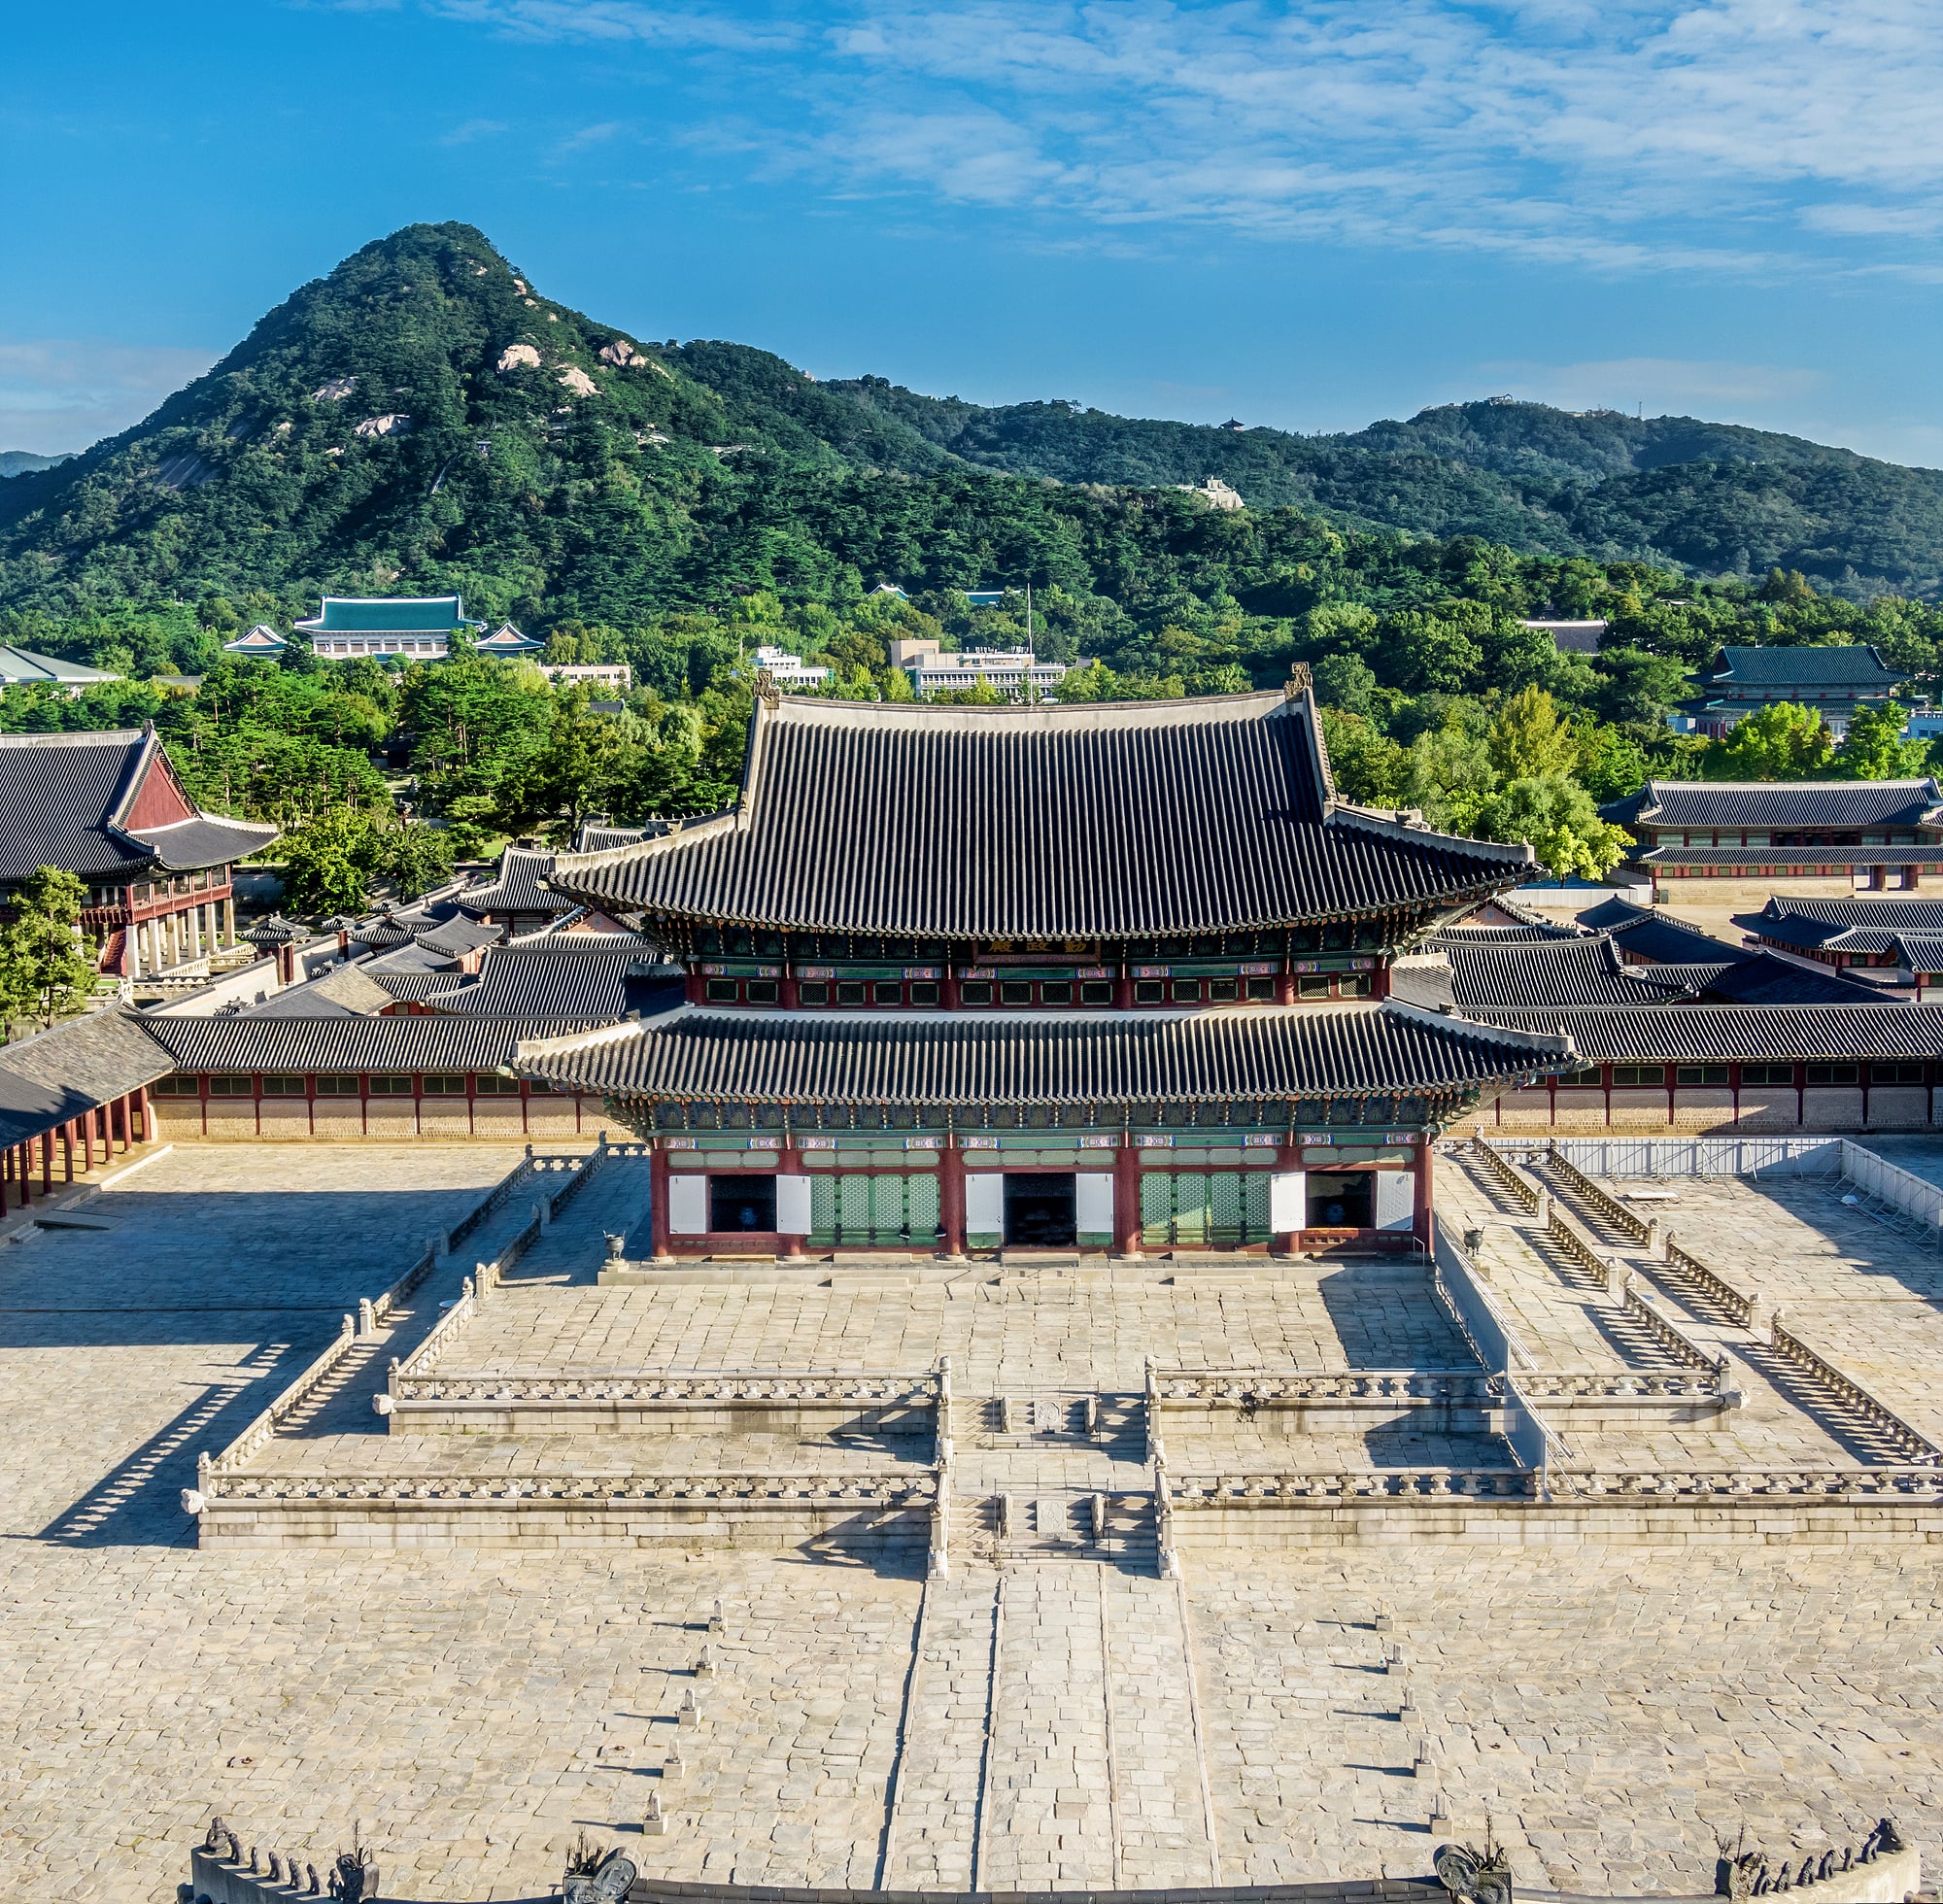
1832 681
263 641
419 627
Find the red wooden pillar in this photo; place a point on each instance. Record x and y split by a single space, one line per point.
46 1163
1424 1168
951 1197
948 995
696 988
658 1202
67 1151
1380 980
24 1170
788 1162
1123 988
1285 985
1127 1197
789 991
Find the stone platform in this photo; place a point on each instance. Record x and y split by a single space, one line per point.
1054 1715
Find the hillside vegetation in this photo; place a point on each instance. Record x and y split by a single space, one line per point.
423 421
564 481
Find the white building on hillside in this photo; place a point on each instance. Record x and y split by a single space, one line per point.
788 672
1004 668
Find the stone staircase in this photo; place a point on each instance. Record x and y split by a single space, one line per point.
1052 1736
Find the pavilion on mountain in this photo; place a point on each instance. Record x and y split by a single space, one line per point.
1099 977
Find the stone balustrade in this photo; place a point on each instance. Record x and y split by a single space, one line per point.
1828 1483
913 1488
1628 1223
1523 1188
1677 1344
264 1426
1190 1492
412 1382
1739 1307
1251 1388
1221 1490
1852 1394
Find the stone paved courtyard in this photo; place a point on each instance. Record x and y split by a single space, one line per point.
1612 1708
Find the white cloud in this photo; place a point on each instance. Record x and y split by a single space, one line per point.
473 128
59 393
1750 136
1557 132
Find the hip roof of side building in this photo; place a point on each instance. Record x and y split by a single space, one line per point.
66 800
1865 923
1841 664
519 886
1777 803
1542 972
1733 1033
432 1042
1038 824
1842 854
951 1057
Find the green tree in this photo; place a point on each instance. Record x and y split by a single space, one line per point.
44 971
1874 747
328 863
1557 815
1529 739
1449 776
413 857
1345 682
1611 763
1366 766
1783 741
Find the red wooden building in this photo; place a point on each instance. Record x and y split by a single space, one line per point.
109 808
1108 978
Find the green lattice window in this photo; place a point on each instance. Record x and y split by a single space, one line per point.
850 1211
1203 1208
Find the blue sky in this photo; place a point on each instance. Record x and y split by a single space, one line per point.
1310 215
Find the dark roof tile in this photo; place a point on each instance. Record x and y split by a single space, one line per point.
1754 1033
1041 823
941 1058
419 1042
1784 803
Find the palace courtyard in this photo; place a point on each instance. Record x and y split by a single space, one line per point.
1318 1693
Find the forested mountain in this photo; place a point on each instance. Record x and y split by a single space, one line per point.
19 462
423 418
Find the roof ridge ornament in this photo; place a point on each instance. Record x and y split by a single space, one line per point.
768 692
1298 683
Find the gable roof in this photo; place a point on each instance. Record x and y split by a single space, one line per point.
1038 824
955 1057
64 799
389 615
1730 803
263 640
519 886
553 977
1844 665
342 991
